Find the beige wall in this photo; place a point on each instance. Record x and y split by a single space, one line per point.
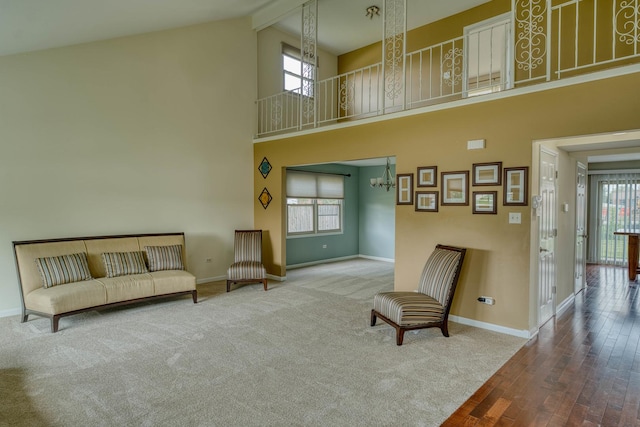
499 255
150 133
270 72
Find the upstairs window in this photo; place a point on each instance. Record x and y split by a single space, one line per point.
314 203
293 79
489 57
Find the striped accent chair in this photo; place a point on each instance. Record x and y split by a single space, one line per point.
429 306
247 266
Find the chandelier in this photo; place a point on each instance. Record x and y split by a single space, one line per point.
371 11
386 181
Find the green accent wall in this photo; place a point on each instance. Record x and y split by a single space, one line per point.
377 216
369 220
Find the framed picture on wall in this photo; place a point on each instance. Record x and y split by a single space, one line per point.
487 174
404 187
455 188
515 189
485 202
426 201
427 176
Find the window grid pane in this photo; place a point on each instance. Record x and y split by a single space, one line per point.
300 219
311 216
328 217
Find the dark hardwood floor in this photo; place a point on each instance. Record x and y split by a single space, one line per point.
583 368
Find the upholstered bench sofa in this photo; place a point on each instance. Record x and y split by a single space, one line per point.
62 277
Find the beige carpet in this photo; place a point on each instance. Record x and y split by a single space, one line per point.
302 353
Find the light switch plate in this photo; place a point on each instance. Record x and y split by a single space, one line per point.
515 218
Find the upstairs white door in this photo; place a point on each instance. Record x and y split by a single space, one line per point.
581 228
547 233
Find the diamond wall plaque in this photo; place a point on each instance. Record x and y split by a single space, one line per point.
265 198
265 167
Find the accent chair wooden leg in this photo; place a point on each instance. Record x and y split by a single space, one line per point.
194 295
25 317
399 336
54 323
228 285
444 329
373 317
264 283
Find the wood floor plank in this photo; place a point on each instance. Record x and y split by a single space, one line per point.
582 369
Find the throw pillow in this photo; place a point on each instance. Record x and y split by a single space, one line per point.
124 263
164 257
58 270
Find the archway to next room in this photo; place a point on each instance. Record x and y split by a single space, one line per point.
340 211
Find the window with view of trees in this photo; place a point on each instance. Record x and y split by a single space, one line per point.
314 203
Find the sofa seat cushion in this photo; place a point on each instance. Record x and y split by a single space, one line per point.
124 288
170 281
408 308
68 297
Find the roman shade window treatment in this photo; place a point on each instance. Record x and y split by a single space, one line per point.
310 185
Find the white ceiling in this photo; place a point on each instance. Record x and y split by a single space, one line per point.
28 25
599 147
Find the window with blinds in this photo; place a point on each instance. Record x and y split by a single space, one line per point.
314 203
614 204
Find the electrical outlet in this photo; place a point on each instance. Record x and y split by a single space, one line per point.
208 260
487 300
324 246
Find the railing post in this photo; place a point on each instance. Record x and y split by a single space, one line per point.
394 47
308 64
532 37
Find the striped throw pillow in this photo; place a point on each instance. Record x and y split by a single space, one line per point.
164 257
123 263
58 270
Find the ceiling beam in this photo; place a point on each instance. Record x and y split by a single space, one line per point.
273 12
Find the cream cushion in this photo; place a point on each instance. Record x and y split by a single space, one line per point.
67 297
123 288
170 281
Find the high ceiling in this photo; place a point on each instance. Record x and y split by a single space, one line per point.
27 25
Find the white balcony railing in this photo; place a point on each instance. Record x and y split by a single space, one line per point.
539 43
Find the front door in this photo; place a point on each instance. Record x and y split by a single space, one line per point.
581 227
547 232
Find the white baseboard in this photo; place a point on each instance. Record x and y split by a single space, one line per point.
210 279
322 261
344 258
377 258
564 305
10 312
491 327
277 278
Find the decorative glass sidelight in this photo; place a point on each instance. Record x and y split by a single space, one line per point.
530 38
394 54
309 63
